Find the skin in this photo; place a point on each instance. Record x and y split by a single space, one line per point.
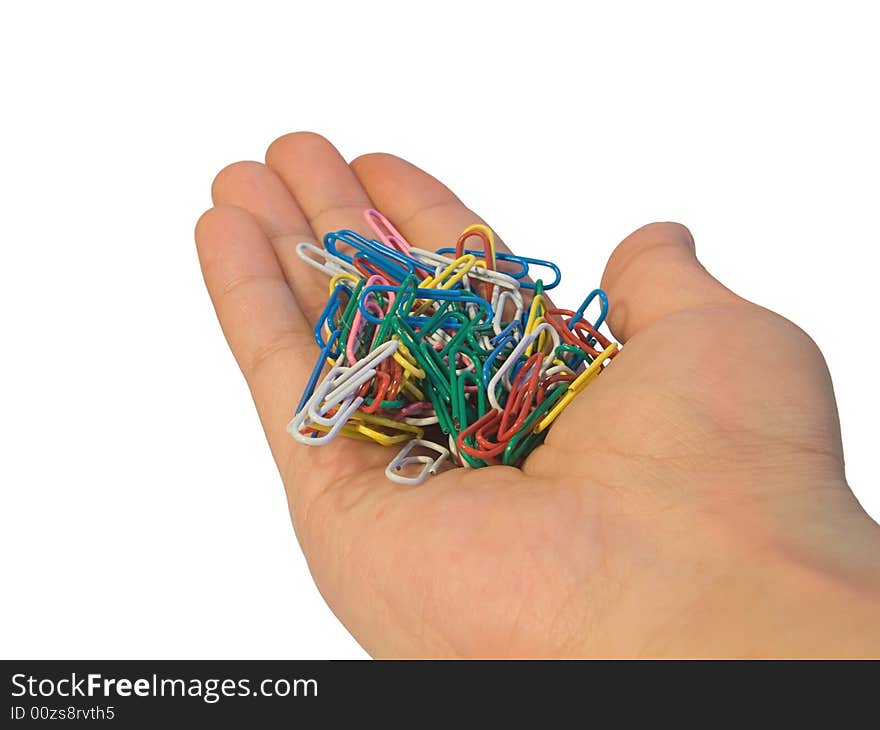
690 502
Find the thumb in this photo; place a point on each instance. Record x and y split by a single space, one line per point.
654 272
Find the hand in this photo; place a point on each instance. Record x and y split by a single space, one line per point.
691 501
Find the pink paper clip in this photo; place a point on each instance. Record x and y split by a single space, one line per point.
385 231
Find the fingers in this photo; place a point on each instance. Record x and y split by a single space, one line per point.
268 333
422 208
317 182
320 180
258 189
263 324
654 272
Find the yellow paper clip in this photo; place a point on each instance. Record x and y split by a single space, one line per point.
576 386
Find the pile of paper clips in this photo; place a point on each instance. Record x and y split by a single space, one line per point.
415 340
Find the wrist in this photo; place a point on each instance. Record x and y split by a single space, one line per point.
825 579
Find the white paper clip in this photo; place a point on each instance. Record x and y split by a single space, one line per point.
500 299
325 262
513 357
337 389
303 420
403 459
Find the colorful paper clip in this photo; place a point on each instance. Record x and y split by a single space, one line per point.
460 344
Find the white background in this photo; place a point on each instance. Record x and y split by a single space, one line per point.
142 515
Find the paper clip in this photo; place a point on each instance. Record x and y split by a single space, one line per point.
603 300
576 386
304 420
385 231
326 262
411 338
503 372
431 465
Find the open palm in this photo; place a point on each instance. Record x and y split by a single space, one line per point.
691 501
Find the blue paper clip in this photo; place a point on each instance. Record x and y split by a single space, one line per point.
603 302
329 312
500 341
387 259
316 371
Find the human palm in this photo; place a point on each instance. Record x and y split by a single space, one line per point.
691 501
